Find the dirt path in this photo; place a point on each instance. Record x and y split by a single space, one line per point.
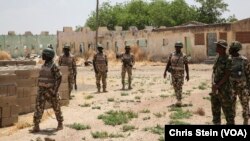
151 97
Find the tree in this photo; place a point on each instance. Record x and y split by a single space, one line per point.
211 11
141 13
78 28
232 19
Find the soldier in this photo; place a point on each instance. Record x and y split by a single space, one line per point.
127 66
50 46
176 65
239 78
221 96
68 59
48 83
100 63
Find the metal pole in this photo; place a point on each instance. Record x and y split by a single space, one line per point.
97 21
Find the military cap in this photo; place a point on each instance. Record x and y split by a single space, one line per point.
222 43
127 47
178 44
49 52
66 46
236 45
99 46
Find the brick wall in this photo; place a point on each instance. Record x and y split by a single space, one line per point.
18 91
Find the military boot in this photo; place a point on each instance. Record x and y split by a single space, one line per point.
98 90
178 103
104 90
129 87
245 122
123 86
35 129
60 126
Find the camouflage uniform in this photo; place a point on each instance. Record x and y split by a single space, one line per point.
177 72
100 63
71 63
239 78
49 78
127 66
222 98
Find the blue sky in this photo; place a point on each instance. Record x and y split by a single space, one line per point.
53 15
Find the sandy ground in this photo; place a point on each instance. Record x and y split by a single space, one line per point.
150 91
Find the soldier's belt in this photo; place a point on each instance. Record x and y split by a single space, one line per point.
46 85
45 79
177 68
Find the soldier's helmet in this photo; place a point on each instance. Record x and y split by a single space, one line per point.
178 44
49 52
127 47
99 46
222 43
236 45
66 46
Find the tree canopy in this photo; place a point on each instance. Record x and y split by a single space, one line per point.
141 13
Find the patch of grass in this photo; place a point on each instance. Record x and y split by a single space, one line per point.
96 107
78 126
188 92
89 97
161 138
207 98
124 94
156 130
137 97
84 105
163 90
126 128
104 134
141 90
146 118
163 96
178 122
175 109
200 111
117 117
180 114
159 115
100 135
111 99
145 111
112 135
202 86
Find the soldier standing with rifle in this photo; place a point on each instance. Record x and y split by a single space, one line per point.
239 79
221 97
127 65
176 65
100 64
48 83
68 60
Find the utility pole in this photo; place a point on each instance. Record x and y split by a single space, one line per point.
97 21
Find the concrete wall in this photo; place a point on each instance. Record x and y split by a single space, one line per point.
150 40
242 26
21 45
75 39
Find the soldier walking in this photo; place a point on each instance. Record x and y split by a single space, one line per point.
48 83
127 65
100 63
239 79
176 65
221 97
68 60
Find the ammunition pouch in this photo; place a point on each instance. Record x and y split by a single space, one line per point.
170 69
